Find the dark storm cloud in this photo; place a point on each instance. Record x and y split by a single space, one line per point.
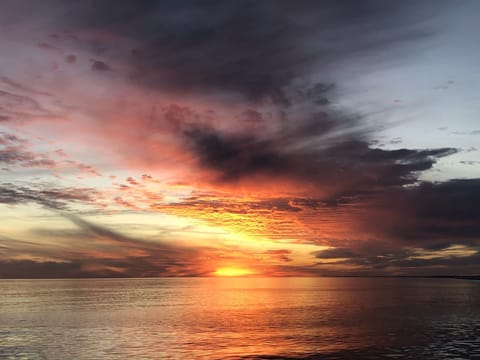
257 49
432 215
440 220
253 48
235 156
314 143
430 228
349 163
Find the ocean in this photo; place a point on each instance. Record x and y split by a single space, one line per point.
240 318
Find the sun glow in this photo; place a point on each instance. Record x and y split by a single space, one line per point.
229 271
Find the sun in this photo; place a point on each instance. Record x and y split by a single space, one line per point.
230 271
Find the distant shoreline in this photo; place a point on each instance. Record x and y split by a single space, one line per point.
454 277
457 277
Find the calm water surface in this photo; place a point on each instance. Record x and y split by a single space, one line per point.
234 318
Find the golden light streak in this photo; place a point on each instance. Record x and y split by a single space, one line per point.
230 271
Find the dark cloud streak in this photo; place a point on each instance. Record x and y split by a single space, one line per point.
349 165
54 198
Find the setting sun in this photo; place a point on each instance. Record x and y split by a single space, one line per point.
228 271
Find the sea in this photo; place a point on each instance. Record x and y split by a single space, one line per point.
240 318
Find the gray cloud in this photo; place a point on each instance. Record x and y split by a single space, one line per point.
347 164
28 269
406 261
55 198
100 66
250 48
431 214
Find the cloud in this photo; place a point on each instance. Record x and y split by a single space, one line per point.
253 49
336 253
16 152
93 250
397 227
9 83
100 66
347 165
431 214
81 167
261 53
20 102
13 150
28 269
280 254
100 231
241 104
111 253
430 228
55 198
425 215
404 240
380 258
71 59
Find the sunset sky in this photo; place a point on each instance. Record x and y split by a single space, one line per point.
239 138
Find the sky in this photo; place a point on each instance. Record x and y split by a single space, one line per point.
239 138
